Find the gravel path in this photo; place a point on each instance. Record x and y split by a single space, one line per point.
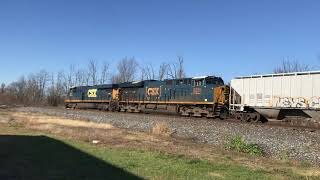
281 142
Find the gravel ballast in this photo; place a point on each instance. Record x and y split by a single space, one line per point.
276 141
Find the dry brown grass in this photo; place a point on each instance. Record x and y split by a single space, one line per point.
162 129
307 172
43 119
85 130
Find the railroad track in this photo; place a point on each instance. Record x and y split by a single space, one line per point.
296 123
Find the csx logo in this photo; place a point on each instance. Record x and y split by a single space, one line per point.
153 91
92 93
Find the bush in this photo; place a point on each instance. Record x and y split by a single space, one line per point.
237 143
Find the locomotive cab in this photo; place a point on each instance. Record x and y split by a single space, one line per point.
72 90
207 80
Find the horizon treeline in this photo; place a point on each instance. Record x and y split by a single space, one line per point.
50 88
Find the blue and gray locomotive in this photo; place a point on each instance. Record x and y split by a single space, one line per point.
204 96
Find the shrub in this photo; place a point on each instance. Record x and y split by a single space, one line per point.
237 143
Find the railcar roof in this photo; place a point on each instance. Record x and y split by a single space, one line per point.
279 74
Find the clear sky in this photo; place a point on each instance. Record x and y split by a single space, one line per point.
225 37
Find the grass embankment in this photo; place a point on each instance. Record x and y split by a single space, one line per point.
34 154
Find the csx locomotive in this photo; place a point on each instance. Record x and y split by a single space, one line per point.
204 96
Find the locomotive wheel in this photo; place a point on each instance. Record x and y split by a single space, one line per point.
184 111
105 107
196 112
122 108
113 106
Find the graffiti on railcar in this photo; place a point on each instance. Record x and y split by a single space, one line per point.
315 102
298 102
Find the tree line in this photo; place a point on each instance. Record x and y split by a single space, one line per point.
288 65
49 88
45 88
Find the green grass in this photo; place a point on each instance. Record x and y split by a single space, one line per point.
238 144
29 155
162 166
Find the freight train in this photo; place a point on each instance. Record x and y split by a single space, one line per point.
257 98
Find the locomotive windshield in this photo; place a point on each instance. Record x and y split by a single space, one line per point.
206 80
214 80
72 91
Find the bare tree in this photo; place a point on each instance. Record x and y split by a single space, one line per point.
3 87
56 92
176 69
42 80
172 71
163 69
92 70
148 72
60 83
104 73
288 66
18 89
78 77
32 90
181 71
86 77
127 69
63 80
116 79
70 76
52 91
81 77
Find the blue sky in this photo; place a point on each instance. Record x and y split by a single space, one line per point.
226 37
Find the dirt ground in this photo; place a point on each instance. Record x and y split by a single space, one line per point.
158 139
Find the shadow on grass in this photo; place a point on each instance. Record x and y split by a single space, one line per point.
41 157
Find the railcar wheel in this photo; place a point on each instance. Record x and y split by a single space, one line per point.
239 116
255 117
247 117
223 114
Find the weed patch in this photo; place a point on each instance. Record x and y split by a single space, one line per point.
237 143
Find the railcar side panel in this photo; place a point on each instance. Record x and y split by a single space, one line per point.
299 90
